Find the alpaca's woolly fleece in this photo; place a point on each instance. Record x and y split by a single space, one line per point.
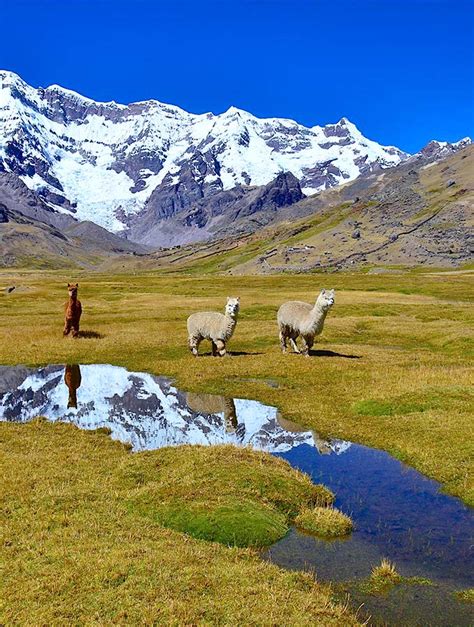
296 318
213 326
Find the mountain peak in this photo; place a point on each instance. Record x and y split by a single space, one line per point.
63 91
436 149
108 162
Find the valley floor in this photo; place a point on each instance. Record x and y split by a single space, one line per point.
391 370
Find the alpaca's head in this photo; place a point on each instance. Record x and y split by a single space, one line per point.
232 306
72 289
325 299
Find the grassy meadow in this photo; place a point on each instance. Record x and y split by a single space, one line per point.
391 370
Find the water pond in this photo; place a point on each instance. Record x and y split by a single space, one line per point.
398 513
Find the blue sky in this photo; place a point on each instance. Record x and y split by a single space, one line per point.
401 70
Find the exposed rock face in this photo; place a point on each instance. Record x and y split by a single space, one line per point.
284 190
16 196
435 150
239 210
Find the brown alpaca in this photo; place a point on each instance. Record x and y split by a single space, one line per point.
72 378
73 310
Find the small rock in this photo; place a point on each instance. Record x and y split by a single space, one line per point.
9 289
356 234
450 183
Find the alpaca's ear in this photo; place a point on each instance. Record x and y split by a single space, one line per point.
323 291
228 298
69 285
238 298
77 284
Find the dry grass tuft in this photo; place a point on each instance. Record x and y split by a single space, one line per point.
385 570
383 577
328 522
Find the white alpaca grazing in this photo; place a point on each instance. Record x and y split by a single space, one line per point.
213 326
296 318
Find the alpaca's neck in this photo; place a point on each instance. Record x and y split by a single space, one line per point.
231 321
229 324
73 299
318 315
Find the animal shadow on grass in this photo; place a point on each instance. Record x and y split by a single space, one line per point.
90 335
240 353
328 353
231 353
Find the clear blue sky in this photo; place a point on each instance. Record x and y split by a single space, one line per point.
402 70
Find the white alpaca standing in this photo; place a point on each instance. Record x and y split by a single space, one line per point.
296 318
213 326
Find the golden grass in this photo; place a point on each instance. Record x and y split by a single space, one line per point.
75 552
327 522
402 342
395 346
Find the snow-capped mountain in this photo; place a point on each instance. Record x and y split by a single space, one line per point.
109 162
144 410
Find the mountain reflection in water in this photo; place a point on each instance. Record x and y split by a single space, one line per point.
147 411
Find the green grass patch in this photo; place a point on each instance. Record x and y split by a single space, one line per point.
230 521
394 407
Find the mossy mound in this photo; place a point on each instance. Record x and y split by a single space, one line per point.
327 522
238 497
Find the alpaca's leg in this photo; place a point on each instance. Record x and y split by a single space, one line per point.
214 348
283 341
294 344
67 327
220 344
75 330
308 342
194 345
305 348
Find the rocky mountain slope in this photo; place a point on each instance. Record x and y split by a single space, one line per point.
126 166
418 213
33 234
